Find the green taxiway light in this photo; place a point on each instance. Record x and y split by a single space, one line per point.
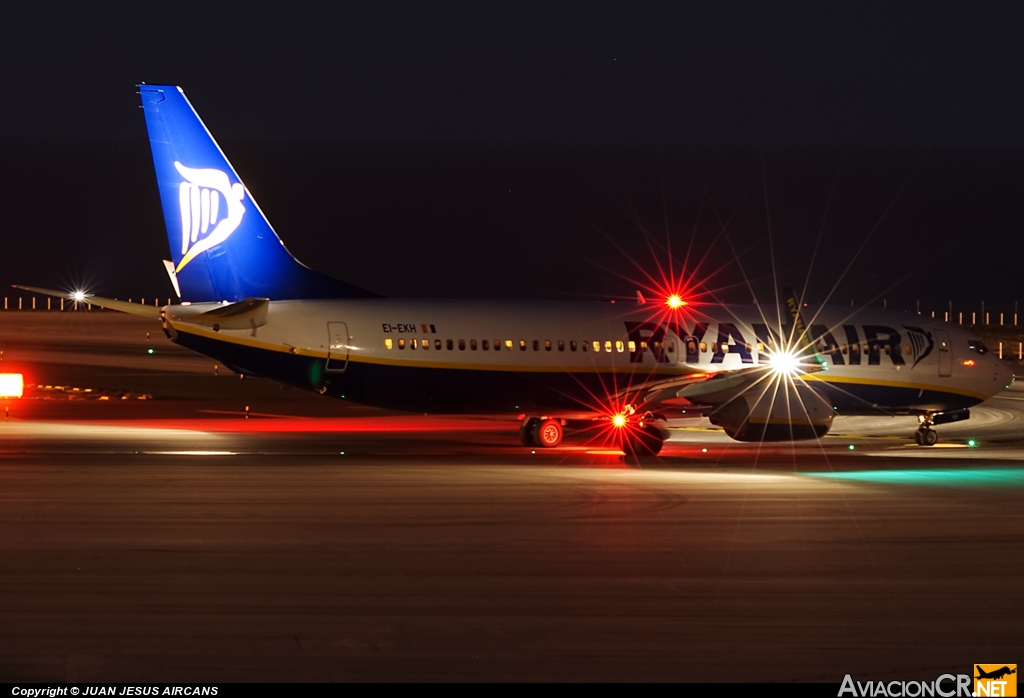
851 447
149 351
953 477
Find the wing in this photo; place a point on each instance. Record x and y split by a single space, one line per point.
711 390
149 311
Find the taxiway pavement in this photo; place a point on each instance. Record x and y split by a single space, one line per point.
172 539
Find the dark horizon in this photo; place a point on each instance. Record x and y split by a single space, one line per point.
383 144
433 220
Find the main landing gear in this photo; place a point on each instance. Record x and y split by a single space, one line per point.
544 432
643 440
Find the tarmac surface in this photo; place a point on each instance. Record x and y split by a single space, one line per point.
170 538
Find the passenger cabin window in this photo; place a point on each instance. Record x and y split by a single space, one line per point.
561 345
413 343
401 343
631 345
462 345
547 345
671 346
572 345
426 343
472 345
608 345
596 345
388 343
485 345
437 344
522 345
536 345
619 346
908 350
703 347
497 345
450 344
508 344
585 345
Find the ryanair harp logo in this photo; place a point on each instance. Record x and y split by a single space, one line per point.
921 343
211 209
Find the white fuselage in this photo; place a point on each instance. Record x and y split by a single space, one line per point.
502 355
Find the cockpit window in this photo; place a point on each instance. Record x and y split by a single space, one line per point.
977 345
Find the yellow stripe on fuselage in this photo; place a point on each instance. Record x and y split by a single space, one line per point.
892 384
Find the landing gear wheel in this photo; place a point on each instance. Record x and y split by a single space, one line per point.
548 433
526 432
645 441
926 437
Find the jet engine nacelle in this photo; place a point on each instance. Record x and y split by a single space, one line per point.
788 412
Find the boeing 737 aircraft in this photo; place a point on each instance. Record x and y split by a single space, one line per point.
759 374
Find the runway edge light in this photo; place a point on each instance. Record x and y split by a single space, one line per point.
12 385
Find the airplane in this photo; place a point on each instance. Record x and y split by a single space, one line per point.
760 374
994 674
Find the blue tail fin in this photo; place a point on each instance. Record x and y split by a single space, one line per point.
222 245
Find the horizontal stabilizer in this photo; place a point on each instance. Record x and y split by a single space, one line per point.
150 311
243 315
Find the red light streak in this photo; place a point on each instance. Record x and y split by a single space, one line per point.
12 385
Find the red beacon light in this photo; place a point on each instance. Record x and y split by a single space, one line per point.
621 418
675 301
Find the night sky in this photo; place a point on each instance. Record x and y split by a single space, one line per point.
528 151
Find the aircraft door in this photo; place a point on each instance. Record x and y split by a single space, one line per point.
945 353
337 352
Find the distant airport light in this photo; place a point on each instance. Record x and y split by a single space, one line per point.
78 295
674 301
968 362
12 385
972 443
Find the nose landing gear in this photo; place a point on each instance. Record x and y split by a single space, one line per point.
924 436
